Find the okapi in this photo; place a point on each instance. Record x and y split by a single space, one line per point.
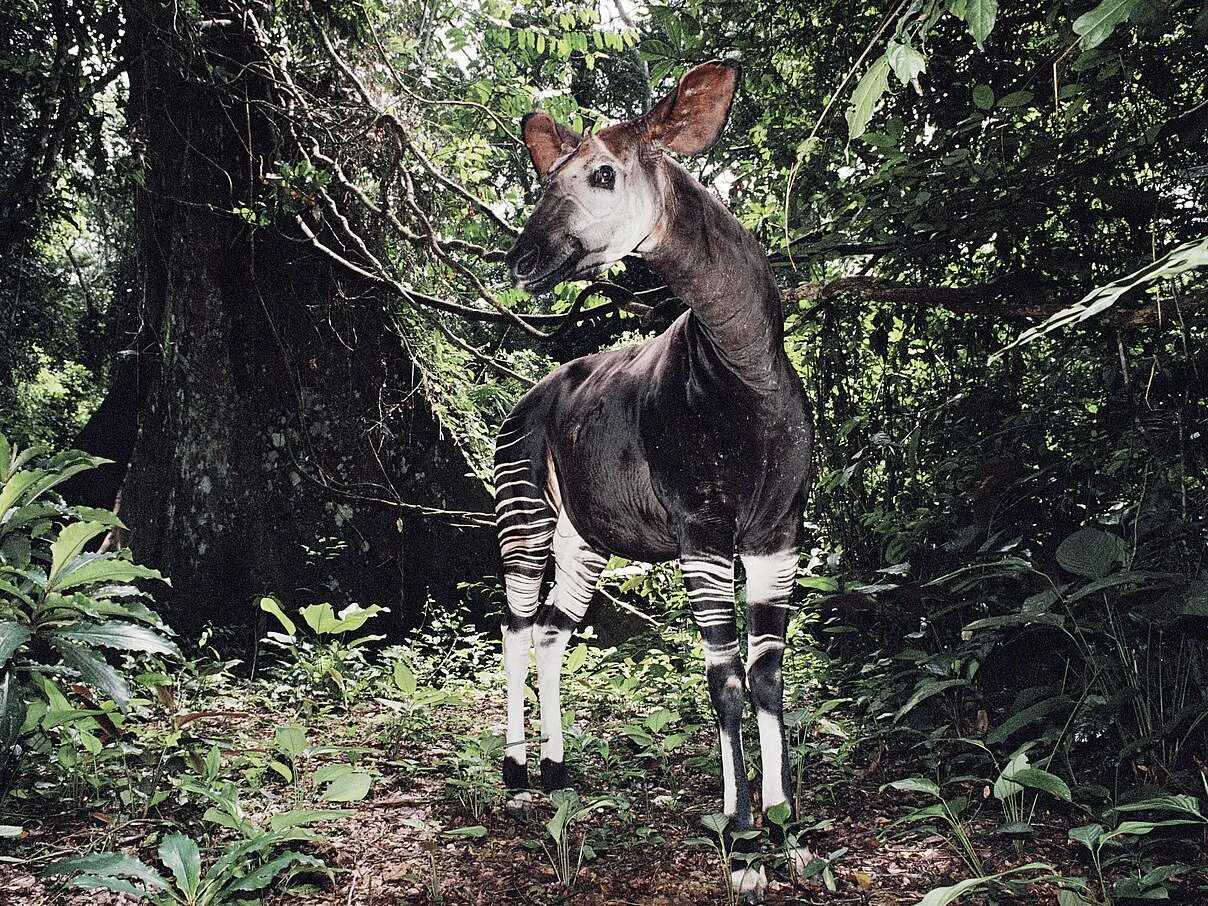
693 445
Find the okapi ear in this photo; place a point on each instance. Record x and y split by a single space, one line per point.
690 119
546 140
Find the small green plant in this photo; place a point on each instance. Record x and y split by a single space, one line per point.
793 845
1098 839
61 606
560 848
474 784
327 658
240 873
722 842
947 815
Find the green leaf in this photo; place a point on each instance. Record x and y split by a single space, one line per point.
983 96
404 679
306 817
926 690
1037 779
868 93
12 636
980 16
1090 552
577 658
1089 835
103 569
1016 829
271 605
123 636
12 709
183 859
715 822
94 671
906 62
1095 26
476 832
351 787
942 896
15 488
267 873
290 740
109 865
915 785
69 544
117 885
1183 258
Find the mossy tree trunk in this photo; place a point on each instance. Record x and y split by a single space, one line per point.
265 461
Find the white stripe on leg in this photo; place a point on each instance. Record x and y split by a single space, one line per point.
770 736
516 647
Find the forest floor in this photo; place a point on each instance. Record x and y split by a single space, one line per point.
433 829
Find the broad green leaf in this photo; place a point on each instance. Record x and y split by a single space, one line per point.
715 822
1090 552
1037 779
12 636
264 875
915 785
12 709
271 605
980 16
290 740
351 787
1017 829
1095 26
330 772
94 671
104 569
577 658
1071 898
906 62
476 832
69 544
404 679
1089 835
983 96
14 489
864 99
306 817
322 619
123 636
109 865
942 896
183 859
117 885
1183 258
6 456
926 690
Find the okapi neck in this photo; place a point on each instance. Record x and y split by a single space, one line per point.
711 262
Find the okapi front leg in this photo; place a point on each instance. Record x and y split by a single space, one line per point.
770 581
577 569
710 584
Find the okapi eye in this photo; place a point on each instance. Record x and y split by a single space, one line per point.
604 177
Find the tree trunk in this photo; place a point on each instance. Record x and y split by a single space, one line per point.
264 461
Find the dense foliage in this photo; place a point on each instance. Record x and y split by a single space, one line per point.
989 225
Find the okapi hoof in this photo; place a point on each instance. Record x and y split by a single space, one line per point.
799 860
553 775
748 884
519 807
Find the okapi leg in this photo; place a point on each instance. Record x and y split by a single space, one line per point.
526 527
709 579
577 567
770 581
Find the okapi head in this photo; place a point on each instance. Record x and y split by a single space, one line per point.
604 194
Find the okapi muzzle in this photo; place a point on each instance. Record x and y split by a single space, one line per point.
545 252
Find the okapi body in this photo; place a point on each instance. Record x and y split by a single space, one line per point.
693 446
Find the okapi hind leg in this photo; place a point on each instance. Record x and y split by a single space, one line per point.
577 567
770 582
526 527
